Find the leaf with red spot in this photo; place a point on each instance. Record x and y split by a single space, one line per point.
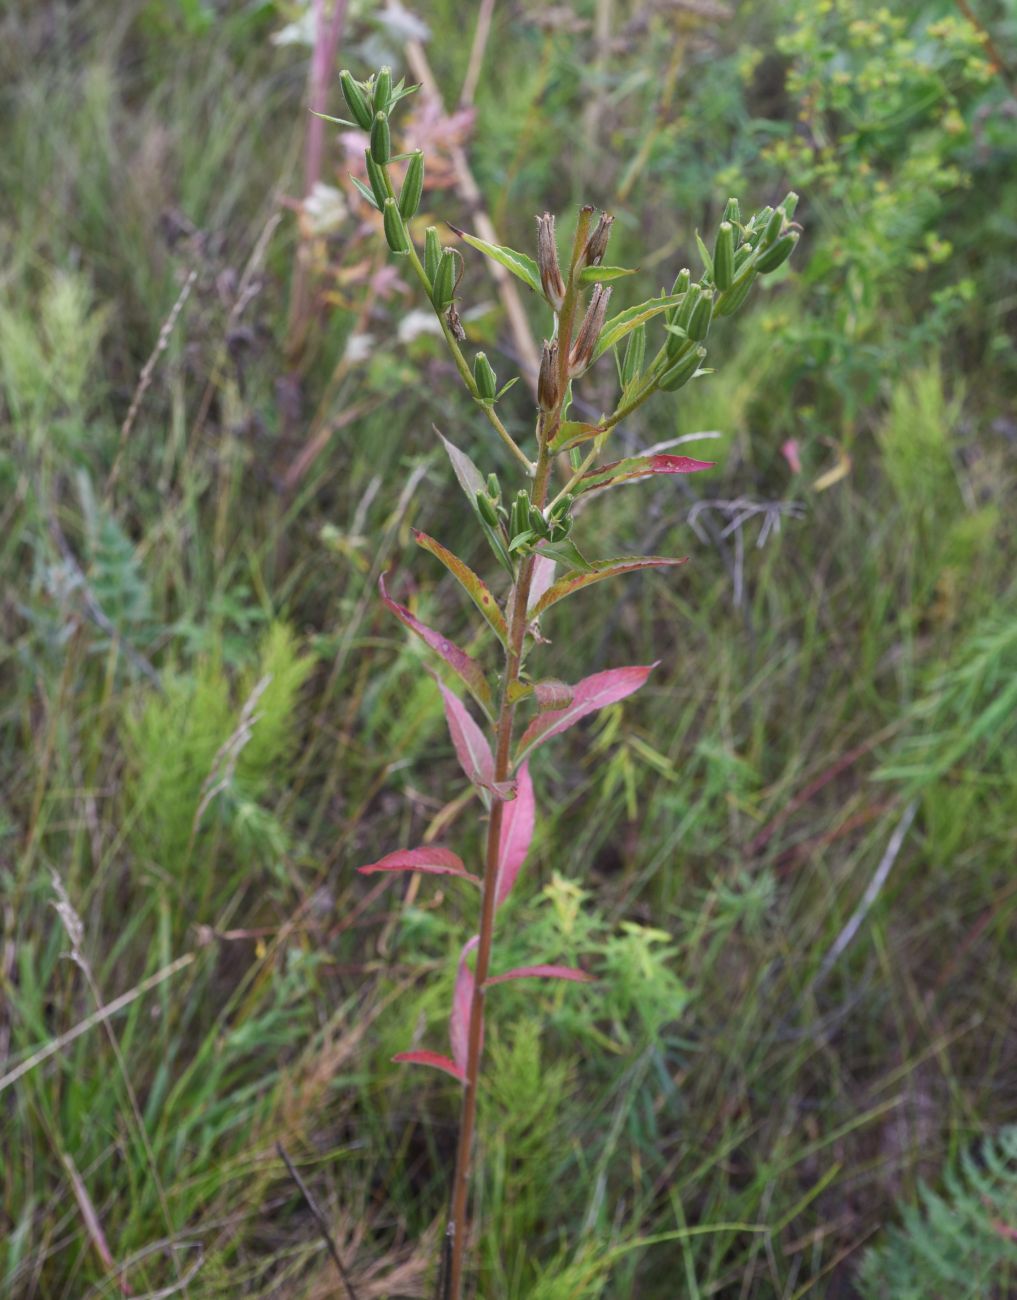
430 858
518 821
589 695
633 467
434 1059
601 569
542 973
475 588
458 660
462 1002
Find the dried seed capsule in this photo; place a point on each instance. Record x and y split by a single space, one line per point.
596 245
548 391
733 212
673 379
547 262
778 253
773 227
381 139
699 322
593 322
395 230
635 352
412 187
444 280
723 256
356 100
484 377
691 300
382 90
732 299
432 253
376 177
486 510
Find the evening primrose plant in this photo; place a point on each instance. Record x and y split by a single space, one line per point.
658 346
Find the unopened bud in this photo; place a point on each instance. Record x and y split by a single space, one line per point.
444 280
760 222
723 256
538 523
691 301
395 230
729 301
432 253
376 177
596 245
356 100
789 204
413 186
681 285
680 373
773 227
593 322
733 212
382 90
486 510
519 519
548 391
493 487
778 253
381 139
547 262
699 322
484 377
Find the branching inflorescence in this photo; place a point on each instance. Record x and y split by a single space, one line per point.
530 532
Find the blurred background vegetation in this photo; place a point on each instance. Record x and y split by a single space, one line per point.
791 857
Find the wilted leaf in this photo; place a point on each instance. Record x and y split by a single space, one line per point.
462 1001
618 326
518 821
521 266
542 973
474 587
430 858
589 695
602 569
434 1059
632 467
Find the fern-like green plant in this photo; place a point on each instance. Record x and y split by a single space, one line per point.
961 1242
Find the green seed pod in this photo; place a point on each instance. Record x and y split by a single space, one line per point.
538 523
684 312
382 90
444 280
733 212
676 344
376 177
673 379
729 302
519 520
356 100
562 506
682 281
486 510
381 139
395 230
759 224
778 253
493 487
699 323
773 227
560 529
635 352
789 204
723 256
484 377
742 255
413 186
432 253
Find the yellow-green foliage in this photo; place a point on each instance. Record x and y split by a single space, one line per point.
916 441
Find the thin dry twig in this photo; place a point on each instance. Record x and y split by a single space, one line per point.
320 1219
481 33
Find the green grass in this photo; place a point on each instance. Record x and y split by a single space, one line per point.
207 722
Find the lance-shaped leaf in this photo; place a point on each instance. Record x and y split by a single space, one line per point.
430 858
434 1059
633 467
571 433
542 973
518 820
462 1001
474 587
601 569
601 274
458 660
470 478
589 695
543 576
471 745
631 318
521 266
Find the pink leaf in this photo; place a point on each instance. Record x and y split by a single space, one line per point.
432 859
620 471
517 824
543 577
543 973
472 749
462 1003
432 1058
589 695
458 660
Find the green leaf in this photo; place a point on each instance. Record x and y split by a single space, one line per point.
338 121
466 472
618 326
362 188
566 552
572 432
572 582
705 254
474 587
521 266
601 274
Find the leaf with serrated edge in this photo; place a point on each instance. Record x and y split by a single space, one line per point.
458 660
472 749
430 858
618 326
521 266
589 695
542 973
602 569
462 1000
517 825
474 587
620 471
434 1059
470 478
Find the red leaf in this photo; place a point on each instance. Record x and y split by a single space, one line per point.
602 569
620 471
435 861
432 1058
518 820
472 749
458 660
589 695
543 973
462 1002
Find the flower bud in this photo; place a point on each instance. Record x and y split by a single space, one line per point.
733 212
519 519
493 487
382 90
760 222
789 204
723 256
486 510
444 280
412 187
538 523
596 245
381 139
356 100
778 253
681 285
731 299
562 506
773 227
699 322
684 313
484 377
432 253
547 262
593 322
676 344
680 373
377 179
548 391
395 230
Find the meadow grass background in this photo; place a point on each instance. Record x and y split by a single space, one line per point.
207 720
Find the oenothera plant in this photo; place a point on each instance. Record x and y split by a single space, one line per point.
530 531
